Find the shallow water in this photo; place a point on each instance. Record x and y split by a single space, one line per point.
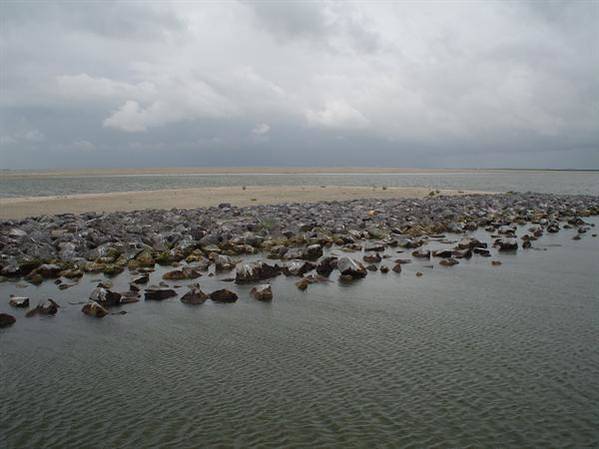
521 181
468 356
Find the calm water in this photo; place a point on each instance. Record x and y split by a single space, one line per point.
469 356
544 182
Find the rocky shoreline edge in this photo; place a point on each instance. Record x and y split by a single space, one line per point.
290 239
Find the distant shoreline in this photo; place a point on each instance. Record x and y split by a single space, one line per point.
7 173
191 198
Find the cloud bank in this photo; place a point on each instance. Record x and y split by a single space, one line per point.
428 84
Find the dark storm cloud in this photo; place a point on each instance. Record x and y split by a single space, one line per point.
299 83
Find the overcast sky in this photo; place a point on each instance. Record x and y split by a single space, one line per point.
412 84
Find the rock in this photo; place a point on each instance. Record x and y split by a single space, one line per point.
145 259
346 278
444 253
6 320
470 243
19 301
423 254
375 246
47 307
372 258
384 269
302 284
158 294
482 252
183 273
419 274
223 295
449 262
194 296
507 244
143 279
105 297
372 267
255 271
397 268
94 309
298 268
351 267
262 292
312 252
526 244
48 271
224 263
326 265
495 263
462 254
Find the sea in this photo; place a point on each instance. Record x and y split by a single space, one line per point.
471 356
22 183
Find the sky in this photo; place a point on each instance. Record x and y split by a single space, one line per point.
246 83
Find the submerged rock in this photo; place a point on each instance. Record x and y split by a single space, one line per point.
351 267
194 296
181 274
94 309
19 301
47 307
7 320
158 294
255 271
105 297
262 292
223 295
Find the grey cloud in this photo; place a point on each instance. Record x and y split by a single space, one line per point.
423 84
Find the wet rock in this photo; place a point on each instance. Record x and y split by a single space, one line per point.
482 252
194 296
48 271
462 254
449 262
298 268
507 244
19 301
47 307
326 265
372 258
495 263
384 269
143 279
443 253
302 284
378 247
105 297
255 271
372 267
526 244
223 295
183 273
312 252
351 267
159 294
94 309
419 274
6 320
224 263
422 254
262 292
397 268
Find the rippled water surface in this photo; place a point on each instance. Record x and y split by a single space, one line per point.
468 356
494 181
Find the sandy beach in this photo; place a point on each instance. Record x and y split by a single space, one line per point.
15 208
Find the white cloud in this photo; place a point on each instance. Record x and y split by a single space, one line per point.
261 129
337 114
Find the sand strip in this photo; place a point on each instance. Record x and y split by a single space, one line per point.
14 208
